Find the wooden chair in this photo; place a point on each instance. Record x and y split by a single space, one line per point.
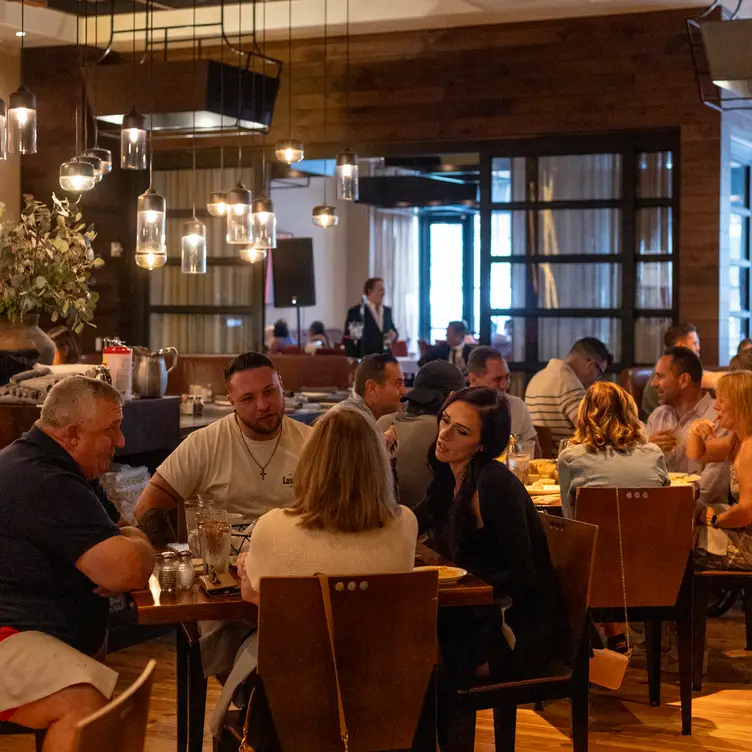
703 581
399 348
385 638
11 729
546 442
634 381
657 541
572 545
121 724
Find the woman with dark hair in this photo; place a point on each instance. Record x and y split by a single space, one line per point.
480 516
67 349
282 338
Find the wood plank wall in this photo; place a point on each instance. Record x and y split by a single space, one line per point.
450 89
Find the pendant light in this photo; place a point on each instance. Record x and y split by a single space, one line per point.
324 215
96 151
133 144
22 112
76 175
3 133
289 150
151 251
239 199
217 204
193 239
347 162
264 219
252 255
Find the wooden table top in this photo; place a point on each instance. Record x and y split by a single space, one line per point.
184 606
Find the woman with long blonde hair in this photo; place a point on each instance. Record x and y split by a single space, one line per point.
734 408
609 447
344 521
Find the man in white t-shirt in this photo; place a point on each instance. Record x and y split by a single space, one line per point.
244 462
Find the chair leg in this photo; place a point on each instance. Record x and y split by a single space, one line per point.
182 688
701 594
39 740
684 638
196 700
748 616
456 725
580 698
653 648
505 725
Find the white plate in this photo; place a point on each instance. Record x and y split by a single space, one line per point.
447 575
684 478
543 490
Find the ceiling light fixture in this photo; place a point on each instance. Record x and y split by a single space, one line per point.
290 150
252 255
324 216
96 151
22 112
133 144
347 162
217 204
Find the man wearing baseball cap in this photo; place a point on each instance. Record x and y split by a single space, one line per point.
416 427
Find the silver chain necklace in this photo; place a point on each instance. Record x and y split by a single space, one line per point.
250 453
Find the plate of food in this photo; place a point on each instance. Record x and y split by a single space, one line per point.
447 575
683 479
543 488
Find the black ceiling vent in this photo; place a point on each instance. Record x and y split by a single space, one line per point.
408 190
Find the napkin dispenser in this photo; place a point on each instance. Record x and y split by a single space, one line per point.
219 584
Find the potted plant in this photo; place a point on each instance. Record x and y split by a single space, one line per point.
46 261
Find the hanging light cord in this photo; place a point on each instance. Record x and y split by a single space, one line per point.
23 34
289 69
240 84
347 70
222 109
84 118
134 54
150 47
193 189
326 81
95 76
78 64
263 97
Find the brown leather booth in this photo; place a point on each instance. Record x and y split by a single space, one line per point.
296 372
634 380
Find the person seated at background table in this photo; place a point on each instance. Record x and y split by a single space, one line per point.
742 361
62 556
317 337
282 338
487 367
456 350
344 521
416 427
554 394
480 516
67 349
609 447
678 380
734 411
379 386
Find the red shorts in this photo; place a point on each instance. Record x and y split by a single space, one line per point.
5 633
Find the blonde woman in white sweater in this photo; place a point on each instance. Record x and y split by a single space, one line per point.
344 521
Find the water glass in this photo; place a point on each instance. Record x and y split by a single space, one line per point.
563 444
519 465
215 537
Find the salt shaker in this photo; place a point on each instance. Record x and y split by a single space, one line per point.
168 572
186 573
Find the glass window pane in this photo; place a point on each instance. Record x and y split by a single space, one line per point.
654 172
579 285
579 176
563 232
655 230
557 335
508 233
508 337
507 179
201 334
738 247
220 286
507 285
649 339
654 284
446 275
739 185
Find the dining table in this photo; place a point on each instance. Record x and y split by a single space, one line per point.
185 608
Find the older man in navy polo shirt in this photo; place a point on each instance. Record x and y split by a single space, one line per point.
62 554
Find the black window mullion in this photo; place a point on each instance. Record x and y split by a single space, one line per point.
485 246
532 248
629 253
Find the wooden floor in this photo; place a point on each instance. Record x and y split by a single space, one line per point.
623 720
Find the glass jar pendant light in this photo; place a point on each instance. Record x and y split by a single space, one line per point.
324 216
264 223
133 143
217 205
193 247
289 151
3 122
103 155
252 255
239 217
22 122
96 164
77 176
151 251
347 176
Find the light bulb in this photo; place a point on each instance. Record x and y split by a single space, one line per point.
22 122
133 142
217 204
239 217
252 255
264 223
289 151
77 176
347 176
324 216
151 251
193 247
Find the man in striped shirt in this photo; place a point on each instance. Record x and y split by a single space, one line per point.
554 394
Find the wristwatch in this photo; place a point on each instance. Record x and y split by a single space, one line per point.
714 521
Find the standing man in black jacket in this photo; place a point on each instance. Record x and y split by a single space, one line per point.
369 327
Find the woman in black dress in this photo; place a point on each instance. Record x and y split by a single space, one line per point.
480 516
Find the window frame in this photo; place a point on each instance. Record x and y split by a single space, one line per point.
744 211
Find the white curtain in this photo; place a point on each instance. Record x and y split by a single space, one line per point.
394 256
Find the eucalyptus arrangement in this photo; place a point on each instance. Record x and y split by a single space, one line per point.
46 261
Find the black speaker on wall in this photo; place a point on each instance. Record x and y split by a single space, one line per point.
292 270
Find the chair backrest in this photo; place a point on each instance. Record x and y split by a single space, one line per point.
121 724
546 441
572 546
385 638
657 531
634 380
399 348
